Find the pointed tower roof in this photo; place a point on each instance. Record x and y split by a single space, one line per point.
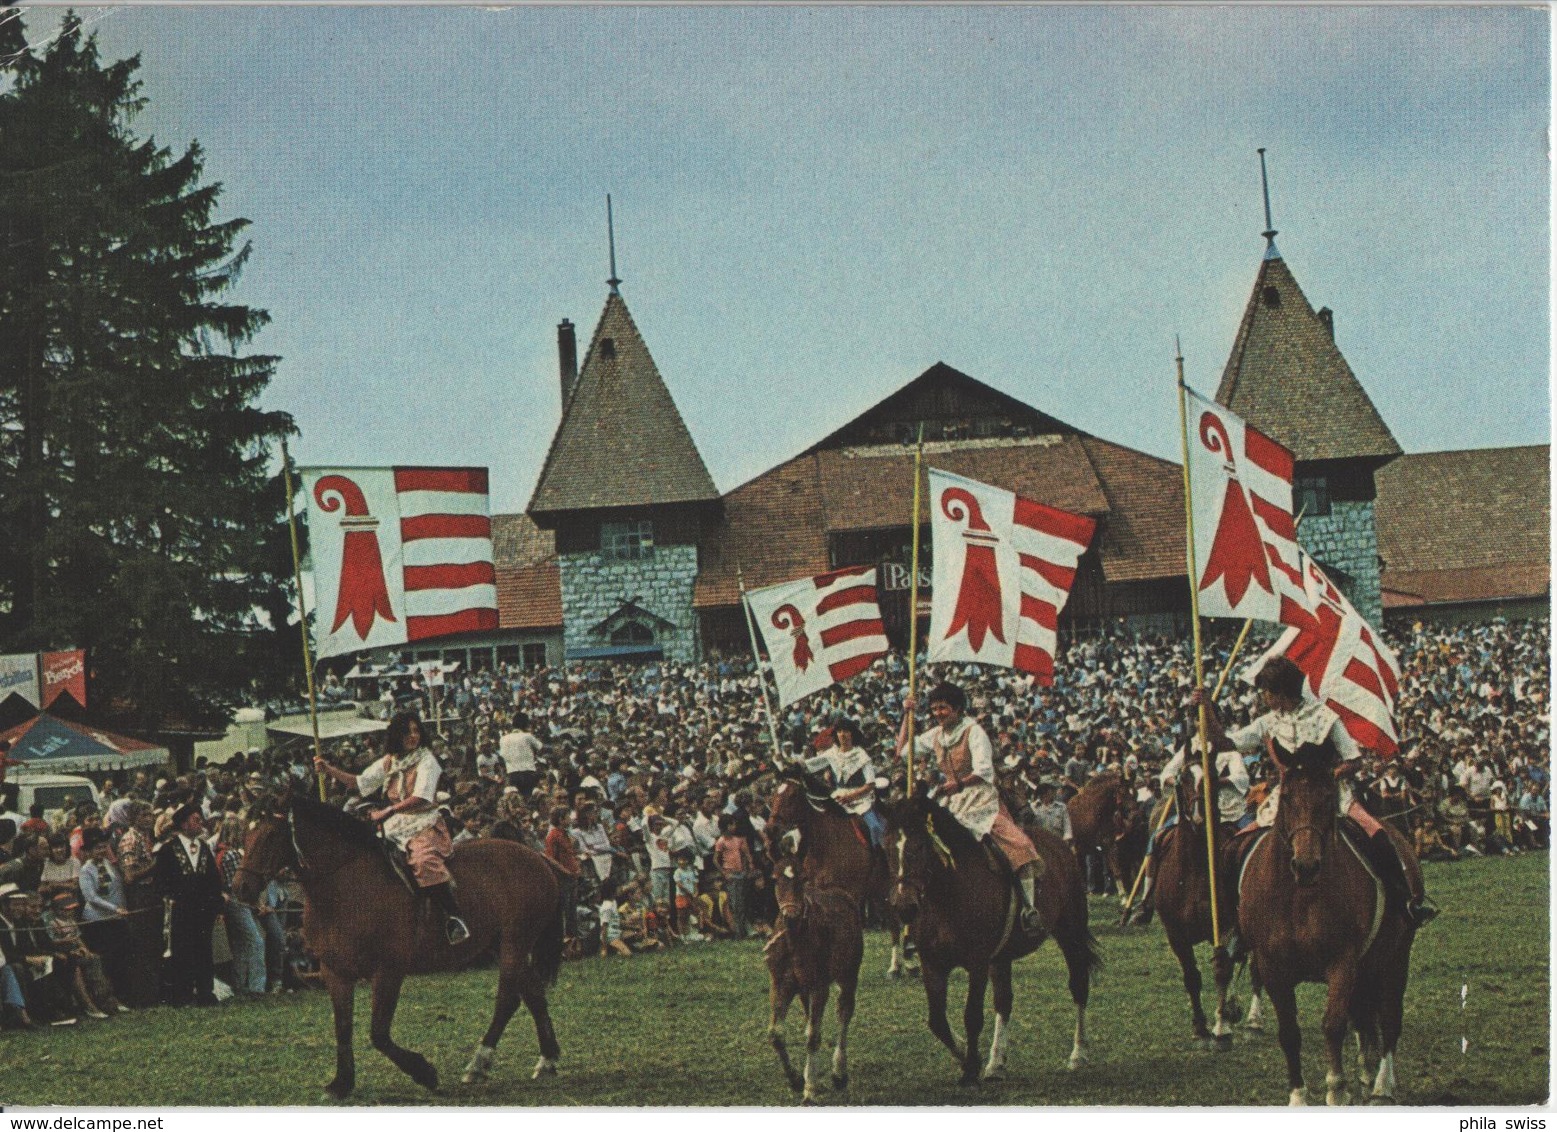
1287 377
621 442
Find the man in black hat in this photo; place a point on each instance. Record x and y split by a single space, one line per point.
186 874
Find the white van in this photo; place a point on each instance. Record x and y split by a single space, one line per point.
54 791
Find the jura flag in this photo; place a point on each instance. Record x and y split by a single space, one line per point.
1240 488
399 555
819 630
1003 570
1347 665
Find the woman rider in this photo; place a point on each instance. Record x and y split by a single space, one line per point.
853 776
408 776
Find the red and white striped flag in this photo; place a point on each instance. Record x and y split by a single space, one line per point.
399 555
1240 490
1347 665
819 631
1004 567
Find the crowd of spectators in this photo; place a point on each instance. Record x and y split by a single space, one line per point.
648 785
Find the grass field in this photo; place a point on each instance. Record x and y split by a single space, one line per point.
688 1028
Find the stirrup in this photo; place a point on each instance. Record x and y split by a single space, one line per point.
456 931
1421 914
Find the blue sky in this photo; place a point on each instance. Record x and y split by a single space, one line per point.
814 205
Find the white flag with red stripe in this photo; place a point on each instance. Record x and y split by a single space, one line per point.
819 631
1240 490
399 555
1347 665
1003 570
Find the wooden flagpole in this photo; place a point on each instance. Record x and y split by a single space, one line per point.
751 627
302 612
1207 778
913 604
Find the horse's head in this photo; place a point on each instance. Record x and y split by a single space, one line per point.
267 849
788 890
788 814
1306 817
917 853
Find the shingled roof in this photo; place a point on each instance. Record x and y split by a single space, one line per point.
621 441
1469 525
1286 377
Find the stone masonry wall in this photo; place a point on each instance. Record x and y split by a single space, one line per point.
594 587
1348 539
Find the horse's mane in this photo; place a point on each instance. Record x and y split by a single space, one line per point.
350 829
951 831
815 790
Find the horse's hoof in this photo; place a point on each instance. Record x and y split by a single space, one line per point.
1381 1098
1077 1060
1298 1098
338 1090
1254 1027
545 1067
995 1073
473 1077
969 1082
840 1083
1336 1100
797 1083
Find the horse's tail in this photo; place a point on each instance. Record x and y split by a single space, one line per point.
546 955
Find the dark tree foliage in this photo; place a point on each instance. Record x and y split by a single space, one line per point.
137 515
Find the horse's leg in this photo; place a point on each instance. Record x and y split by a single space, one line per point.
1254 1021
1391 1010
1222 972
532 990
1184 952
935 998
1337 1017
1000 980
816 1012
1283 999
895 934
342 997
502 1010
781 992
1079 961
973 1021
848 979
386 996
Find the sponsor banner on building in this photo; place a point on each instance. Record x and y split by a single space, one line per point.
19 675
64 672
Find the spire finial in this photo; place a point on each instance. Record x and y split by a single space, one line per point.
1270 229
611 238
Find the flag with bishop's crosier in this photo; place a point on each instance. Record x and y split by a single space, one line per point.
819 631
1346 664
1247 561
399 555
1003 569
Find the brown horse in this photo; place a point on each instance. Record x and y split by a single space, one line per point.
819 945
362 922
805 822
1311 911
959 898
1182 896
1104 817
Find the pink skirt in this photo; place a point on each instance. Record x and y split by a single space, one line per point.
428 855
1016 845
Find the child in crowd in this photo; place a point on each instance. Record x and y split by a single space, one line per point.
684 879
610 921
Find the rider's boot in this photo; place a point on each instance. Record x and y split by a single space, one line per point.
1397 889
1031 924
455 929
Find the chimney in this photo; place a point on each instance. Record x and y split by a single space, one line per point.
1327 316
567 358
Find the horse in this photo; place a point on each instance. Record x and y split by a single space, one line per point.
820 944
958 895
1182 895
804 821
1101 813
1311 911
363 922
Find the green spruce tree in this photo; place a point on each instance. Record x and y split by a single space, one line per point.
137 513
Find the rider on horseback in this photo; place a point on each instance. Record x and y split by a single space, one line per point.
966 760
408 776
853 777
1293 722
